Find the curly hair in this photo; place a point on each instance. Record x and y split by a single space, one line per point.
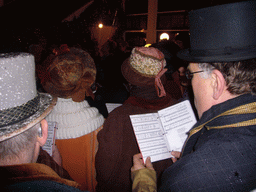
240 76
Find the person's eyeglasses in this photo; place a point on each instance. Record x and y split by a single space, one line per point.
190 75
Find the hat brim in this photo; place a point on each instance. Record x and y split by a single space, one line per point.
229 57
46 104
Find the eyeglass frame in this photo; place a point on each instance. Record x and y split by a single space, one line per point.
190 75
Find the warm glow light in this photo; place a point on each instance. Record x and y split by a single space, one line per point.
100 25
147 45
164 36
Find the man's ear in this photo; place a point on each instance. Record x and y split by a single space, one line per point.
41 139
218 84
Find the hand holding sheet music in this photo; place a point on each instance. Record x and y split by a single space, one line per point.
160 133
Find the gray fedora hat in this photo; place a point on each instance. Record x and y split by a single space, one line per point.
222 33
21 106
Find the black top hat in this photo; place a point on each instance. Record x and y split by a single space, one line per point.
222 33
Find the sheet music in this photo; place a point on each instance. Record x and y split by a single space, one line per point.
52 126
177 120
160 133
112 106
150 136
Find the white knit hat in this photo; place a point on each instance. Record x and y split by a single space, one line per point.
75 119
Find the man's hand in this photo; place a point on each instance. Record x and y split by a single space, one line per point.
138 163
176 155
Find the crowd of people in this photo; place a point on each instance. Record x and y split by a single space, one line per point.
97 151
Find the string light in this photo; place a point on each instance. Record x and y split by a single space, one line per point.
164 36
100 25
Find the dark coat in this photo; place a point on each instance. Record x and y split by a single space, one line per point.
218 159
34 177
117 145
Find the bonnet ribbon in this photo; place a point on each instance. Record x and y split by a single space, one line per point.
158 84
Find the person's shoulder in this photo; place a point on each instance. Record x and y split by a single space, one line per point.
120 109
39 186
217 157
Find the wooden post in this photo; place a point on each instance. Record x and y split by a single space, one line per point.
152 20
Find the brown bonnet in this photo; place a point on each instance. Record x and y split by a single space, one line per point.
145 67
69 73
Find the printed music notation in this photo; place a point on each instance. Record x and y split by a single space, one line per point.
112 106
160 133
48 146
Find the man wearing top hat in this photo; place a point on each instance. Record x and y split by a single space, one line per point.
220 151
23 129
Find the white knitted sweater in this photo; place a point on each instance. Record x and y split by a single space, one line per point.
74 119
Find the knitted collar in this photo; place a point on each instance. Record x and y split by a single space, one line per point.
154 104
147 92
75 119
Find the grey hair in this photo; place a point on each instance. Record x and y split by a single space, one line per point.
207 68
240 76
14 147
